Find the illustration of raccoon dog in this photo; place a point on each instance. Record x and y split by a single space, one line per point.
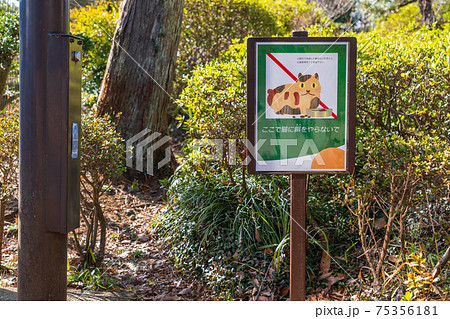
296 98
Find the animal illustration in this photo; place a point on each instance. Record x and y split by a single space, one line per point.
296 98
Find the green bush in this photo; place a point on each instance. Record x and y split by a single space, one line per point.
9 162
294 15
218 112
218 218
407 16
9 47
402 161
218 231
95 24
403 138
102 159
403 82
210 27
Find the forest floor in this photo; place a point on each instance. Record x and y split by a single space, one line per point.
136 265
135 261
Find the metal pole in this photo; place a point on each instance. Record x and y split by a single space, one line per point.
298 238
42 255
299 199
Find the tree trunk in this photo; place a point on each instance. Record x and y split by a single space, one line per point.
140 69
426 9
4 72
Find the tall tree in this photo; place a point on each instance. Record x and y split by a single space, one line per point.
139 74
426 8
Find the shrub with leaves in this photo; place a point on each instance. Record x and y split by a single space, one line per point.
102 160
218 113
95 24
295 15
225 235
210 27
9 162
407 16
403 152
9 47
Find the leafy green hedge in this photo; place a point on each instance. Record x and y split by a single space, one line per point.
402 148
210 27
95 24
9 45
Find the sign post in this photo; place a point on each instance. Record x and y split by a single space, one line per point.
301 96
297 273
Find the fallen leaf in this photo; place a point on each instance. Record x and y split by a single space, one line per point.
393 258
379 223
264 298
185 291
422 224
284 291
325 263
331 281
257 235
267 292
323 276
143 238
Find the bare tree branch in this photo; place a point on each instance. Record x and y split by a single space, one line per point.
441 263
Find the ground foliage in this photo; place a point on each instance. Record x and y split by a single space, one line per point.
9 164
135 266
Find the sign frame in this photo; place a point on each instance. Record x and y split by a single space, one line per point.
252 91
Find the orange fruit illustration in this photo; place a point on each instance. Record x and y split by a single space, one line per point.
329 158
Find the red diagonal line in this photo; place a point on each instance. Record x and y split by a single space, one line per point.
274 59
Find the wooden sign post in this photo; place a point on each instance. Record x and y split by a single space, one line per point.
301 97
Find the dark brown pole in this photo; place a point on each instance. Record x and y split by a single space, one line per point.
42 255
298 238
298 228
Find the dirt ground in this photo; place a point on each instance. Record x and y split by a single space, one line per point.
135 262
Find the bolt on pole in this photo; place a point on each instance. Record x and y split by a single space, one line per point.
42 262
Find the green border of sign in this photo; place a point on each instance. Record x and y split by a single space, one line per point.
266 135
